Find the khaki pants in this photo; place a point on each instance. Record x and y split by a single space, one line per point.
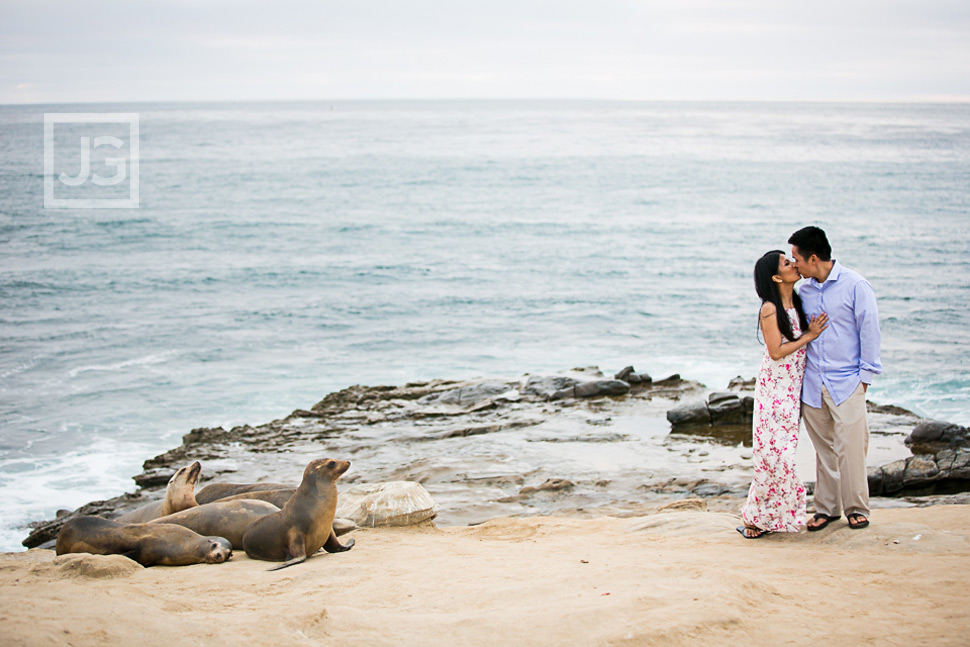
841 438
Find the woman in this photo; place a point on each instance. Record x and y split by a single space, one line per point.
776 500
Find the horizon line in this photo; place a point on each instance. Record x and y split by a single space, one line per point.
939 100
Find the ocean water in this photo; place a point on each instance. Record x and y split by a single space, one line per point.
285 250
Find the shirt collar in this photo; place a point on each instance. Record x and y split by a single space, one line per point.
833 276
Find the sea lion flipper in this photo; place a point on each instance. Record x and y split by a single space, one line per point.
289 562
333 545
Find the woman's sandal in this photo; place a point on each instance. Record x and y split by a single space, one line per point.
819 515
755 532
858 525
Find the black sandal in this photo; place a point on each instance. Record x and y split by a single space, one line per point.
758 532
859 525
819 515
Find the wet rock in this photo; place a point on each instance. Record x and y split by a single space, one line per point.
467 395
593 389
932 436
674 485
726 408
717 397
356 422
545 386
153 478
368 397
689 414
875 477
550 485
396 503
303 413
920 470
708 490
44 532
740 384
724 415
946 472
893 476
630 376
748 402
957 461
889 409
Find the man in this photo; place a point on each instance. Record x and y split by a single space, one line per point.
839 368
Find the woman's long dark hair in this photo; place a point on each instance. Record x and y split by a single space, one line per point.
764 269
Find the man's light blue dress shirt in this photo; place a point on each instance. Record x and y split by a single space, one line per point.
847 352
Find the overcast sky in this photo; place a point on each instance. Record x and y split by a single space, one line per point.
148 50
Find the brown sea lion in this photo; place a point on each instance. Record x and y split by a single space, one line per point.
148 544
221 518
276 497
216 491
179 495
305 524
279 499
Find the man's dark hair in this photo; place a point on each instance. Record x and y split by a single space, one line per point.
811 240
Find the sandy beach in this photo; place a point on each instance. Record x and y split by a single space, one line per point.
679 577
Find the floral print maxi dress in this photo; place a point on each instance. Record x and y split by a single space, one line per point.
776 500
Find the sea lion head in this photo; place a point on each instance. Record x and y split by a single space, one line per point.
186 476
218 550
180 492
325 470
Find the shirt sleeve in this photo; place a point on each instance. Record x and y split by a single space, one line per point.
867 324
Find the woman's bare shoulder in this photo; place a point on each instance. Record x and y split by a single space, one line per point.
768 309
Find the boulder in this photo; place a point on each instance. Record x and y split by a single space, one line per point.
920 470
947 471
932 436
593 389
875 478
545 386
689 414
730 410
893 476
748 402
721 396
954 462
726 408
740 384
630 376
395 503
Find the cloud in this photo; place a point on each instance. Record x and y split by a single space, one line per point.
624 49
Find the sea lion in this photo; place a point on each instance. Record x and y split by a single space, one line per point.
279 499
305 524
179 495
216 491
148 544
276 497
222 518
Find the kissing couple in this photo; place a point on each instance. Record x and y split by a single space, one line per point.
821 353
